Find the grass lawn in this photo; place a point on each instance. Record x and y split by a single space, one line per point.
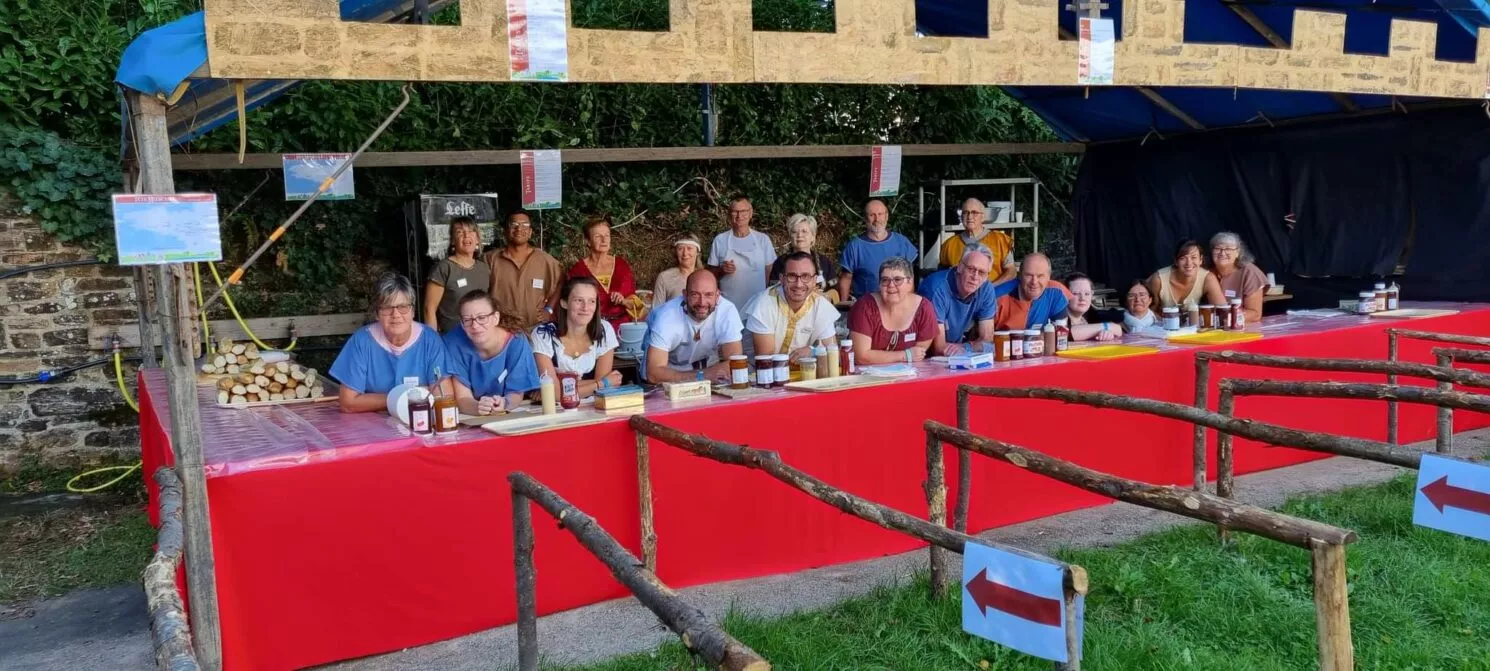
1419 599
73 548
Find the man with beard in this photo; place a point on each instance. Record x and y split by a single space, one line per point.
524 278
792 317
693 333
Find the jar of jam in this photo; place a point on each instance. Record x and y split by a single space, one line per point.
765 370
1016 345
1381 296
1192 315
782 372
1171 321
1034 345
1366 303
568 390
1222 319
1207 317
1000 345
739 372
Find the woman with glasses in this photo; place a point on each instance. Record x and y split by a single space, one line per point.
578 340
1138 304
1238 273
1086 323
456 275
1186 282
389 351
611 272
892 325
493 367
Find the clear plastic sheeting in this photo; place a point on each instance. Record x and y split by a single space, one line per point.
240 440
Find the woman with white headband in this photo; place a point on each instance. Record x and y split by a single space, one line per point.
670 282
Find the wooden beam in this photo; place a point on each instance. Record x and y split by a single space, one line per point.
266 328
377 159
153 146
1461 376
1278 42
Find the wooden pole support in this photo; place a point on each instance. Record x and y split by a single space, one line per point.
1444 443
1193 504
1441 337
527 583
936 504
1246 428
1463 355
1225 466
699 633
644 490
1332 607
175 298
964 466
168 628
1392 379
1202 389
1458 376
1457 400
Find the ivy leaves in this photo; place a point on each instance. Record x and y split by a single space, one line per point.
64 185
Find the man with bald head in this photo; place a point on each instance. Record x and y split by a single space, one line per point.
974 219
1035 300
693 334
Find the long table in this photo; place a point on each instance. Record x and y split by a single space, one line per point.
338 536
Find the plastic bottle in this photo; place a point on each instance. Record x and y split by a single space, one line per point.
846 357
1394 297
1048 339
546 393
568 390
820 353
1062 335
834 364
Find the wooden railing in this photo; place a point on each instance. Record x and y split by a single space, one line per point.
699 633
1393 337
169 633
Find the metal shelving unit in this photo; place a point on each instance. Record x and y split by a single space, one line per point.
938 191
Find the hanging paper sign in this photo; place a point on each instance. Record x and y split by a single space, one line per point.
538 40
542 185
437 211
884 170
305 173
177 228
1094 62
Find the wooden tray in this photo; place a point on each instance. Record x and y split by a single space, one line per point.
1414 313
1103 352
1217 338
748 392
526 424
841 383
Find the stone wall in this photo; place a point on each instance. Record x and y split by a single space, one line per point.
80 418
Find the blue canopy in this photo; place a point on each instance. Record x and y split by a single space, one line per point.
160 60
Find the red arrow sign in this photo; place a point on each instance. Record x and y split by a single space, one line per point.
1440 493
1023 605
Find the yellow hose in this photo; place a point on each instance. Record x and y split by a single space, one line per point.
234 309
124 391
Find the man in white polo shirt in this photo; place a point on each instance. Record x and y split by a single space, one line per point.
693 333
791 317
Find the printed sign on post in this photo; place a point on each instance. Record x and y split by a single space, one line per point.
1094 61
542 174
175 228
1454 496
304 173
538 40
1017 602
884 170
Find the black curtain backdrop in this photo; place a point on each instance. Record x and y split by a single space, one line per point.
1358 192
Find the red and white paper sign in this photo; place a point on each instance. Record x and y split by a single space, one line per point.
538 40
542 175
884 170
1094 60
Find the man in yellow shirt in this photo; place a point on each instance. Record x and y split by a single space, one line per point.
974 233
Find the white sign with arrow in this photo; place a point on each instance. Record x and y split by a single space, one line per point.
1018 601
1454 496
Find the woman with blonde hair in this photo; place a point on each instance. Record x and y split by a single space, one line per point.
670 282
802 228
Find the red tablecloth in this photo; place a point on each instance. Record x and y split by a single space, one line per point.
357 553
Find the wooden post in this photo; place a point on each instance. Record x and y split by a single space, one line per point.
644 489
527 583
1073 614
936 503
1392 379
153 143
1444 444
964 466
1224 466
168 628
1202 388
1332 607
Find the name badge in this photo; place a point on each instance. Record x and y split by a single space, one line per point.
910 336
502 378
460 282
1231 293
538 283
411 380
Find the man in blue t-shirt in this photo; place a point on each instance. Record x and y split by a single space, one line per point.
963 299
859 268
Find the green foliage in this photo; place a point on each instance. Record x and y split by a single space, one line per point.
65 185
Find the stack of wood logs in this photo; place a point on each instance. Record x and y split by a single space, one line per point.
249 378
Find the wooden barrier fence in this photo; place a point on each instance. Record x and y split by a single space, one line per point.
699 633
933 532
1325 543
169 633
1393 337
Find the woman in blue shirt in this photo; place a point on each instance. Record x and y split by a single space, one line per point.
493 368
390 351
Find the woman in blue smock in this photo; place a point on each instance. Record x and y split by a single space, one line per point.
390 351
492 367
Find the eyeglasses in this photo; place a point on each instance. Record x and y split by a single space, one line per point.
800 278
894 281
1134 297
976 272
1229 250
477 319
403 309
520 224
739 212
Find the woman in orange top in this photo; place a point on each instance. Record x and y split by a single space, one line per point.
610 271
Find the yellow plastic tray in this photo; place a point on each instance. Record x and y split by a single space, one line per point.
1101 352
1217 338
